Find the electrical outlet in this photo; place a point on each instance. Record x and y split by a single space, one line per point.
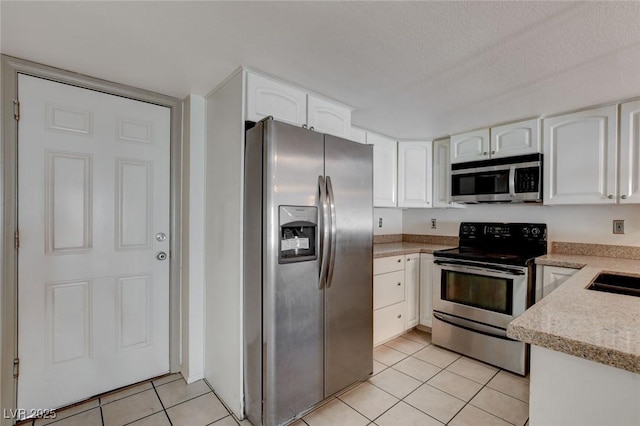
433 224
379 222
618 226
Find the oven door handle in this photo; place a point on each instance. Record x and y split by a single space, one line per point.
472 326
475 266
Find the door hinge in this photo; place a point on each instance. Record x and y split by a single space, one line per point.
16 110
16 368
16 240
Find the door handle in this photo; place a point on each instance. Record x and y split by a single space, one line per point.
332 239
324 232
161 255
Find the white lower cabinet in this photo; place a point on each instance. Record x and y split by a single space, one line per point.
427 281
388 289
397 300
389 306
387 323
412 289
549 278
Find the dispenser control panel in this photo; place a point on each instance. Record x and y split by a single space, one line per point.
298 230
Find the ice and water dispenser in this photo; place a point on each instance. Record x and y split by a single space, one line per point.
298 226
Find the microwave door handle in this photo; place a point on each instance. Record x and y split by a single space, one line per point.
512 182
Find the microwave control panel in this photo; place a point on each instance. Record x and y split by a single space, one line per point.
527 179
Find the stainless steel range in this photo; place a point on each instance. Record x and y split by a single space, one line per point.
483 285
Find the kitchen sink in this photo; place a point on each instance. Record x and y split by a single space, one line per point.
616 283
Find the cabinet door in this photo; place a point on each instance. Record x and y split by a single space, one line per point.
267 97
358 135
426 289
552 277
630 153
580 157
385 170
414 174
470 146
516 139
411 288
328 117
441 174
388 323
388 289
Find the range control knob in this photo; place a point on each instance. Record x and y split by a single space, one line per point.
535 231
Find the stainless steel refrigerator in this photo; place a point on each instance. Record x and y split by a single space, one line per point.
308 234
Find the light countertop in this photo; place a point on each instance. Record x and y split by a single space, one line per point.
400 248
594 325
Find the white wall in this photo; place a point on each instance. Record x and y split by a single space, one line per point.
391 221
223 240
193 193
584 224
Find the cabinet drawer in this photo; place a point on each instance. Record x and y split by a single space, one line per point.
388 289
388 322
383 265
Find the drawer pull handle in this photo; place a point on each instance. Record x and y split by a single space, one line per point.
399 315
398 284
399 260
409 260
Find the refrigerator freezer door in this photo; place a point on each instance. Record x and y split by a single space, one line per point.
349 294
292 301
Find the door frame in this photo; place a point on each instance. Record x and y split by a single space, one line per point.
11 67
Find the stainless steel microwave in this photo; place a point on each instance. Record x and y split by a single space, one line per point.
501 180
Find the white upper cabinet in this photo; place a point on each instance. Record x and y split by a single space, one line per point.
441 174
358 135
328 117
266 97
470 146
513 139
630 152
516 139
385 170
414 174
580 157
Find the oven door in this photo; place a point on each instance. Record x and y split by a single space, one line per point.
474 292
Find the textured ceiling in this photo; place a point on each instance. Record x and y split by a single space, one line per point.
410 69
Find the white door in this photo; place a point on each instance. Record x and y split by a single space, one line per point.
93 192
580 157
385 170
411 288
414 174
470 146
516 139
328 117
630 152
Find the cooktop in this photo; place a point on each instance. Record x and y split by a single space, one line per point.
494 242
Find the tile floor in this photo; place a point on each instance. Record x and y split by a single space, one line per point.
414 383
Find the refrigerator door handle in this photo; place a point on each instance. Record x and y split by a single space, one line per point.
323 232
332 248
